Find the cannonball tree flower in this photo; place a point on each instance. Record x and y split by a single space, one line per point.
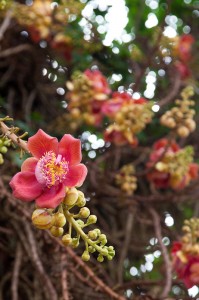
171 166
185 264
53 167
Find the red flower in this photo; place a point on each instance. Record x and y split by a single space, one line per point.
184 47
185 265
160 175
112 106
53 167
159 149
99 81
117 137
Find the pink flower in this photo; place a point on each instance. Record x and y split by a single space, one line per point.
112 106
185 265
53 167
185 44
99 81
163 178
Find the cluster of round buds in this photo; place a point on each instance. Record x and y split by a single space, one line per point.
185 254
126 179
190 238
64 223
87 93
45 219
45 21
180 118
171 166
130 119
4 144
177 165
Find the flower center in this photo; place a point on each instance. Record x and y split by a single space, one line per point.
51 170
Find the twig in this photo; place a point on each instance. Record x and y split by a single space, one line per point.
64 279
15 277
168 268
16 140
174 90
15 50
38 263
90 273
5 24
128 230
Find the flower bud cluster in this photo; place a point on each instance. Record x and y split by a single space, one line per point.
63 223
171 166
129 120
126 179
87 92
190 243
4 144
180 118
185 254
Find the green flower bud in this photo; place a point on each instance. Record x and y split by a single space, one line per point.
84 212
92 234
85 256
81 201
66 239
75 243
100 258
3 149
104 252
92 219
91 249
80 223
71 197
58 220
102 237
42 219
56 231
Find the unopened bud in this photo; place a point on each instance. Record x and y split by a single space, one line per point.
100 258
92 219
183 131
66 239
3 149
84 212
85 256
58 220
42 219
56 231
92 234
75 243
81 201
71 197
104 252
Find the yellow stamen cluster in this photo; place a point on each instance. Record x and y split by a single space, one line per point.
126 179
180 118
176 164
190 239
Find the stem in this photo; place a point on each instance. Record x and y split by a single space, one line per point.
78 229
12 136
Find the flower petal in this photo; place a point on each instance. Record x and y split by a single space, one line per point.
51 197
70 149
40 143
25 186
76 176
29 165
